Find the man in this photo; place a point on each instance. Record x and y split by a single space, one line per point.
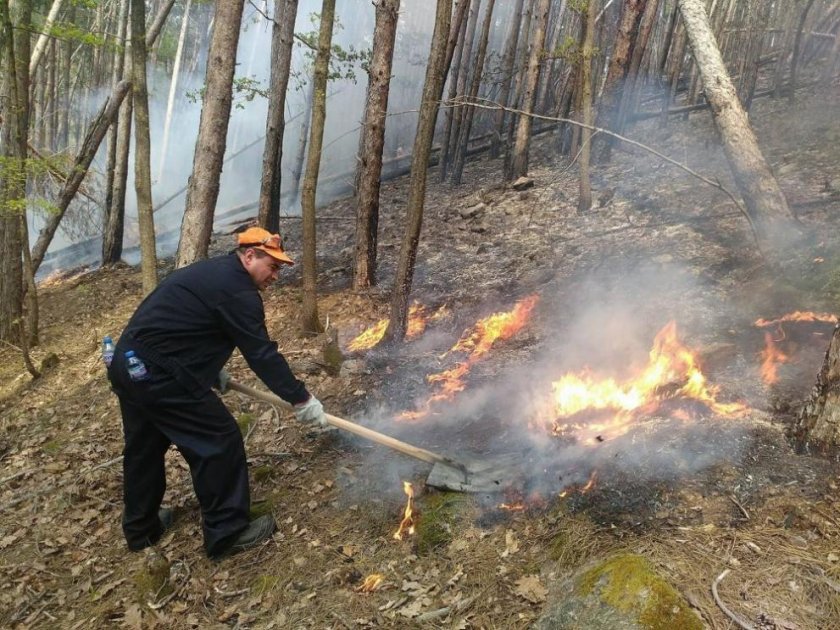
184 332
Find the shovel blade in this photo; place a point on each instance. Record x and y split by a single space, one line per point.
488 476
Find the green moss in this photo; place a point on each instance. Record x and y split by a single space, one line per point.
260 508
439 514
261 473
264 583
333 358
52 447
244 421
630 584
152 580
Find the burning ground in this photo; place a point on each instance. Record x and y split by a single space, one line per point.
633 371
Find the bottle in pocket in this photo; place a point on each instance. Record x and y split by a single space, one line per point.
136 368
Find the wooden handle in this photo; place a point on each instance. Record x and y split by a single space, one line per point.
352 427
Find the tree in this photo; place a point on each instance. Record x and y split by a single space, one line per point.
310 322
519 156
373 140
585 188
282 38
142 148
203 189
432 90
818 424
766 206
508 61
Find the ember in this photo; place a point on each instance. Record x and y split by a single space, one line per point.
371 583
594 410
476 341
798 316
406 527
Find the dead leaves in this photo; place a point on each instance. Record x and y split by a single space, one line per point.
531 589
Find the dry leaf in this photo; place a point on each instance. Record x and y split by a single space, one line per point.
133 617
530 588
414 608
511 544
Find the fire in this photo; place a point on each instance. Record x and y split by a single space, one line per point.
798 316
771 357
418 319
672 372
406 527
476 342
371 583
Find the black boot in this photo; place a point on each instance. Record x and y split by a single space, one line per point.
258 531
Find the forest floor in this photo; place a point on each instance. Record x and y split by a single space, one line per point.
693 487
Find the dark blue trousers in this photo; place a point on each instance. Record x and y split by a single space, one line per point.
159 412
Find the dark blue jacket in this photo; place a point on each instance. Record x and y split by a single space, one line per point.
191 323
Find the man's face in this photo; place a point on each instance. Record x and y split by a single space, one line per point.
262 268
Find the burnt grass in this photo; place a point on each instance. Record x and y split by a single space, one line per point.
658 245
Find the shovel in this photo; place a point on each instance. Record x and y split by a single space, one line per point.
446 474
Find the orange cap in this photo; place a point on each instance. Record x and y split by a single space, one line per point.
264 240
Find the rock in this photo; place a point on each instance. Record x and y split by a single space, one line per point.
479 228
620 592
523 183
475 211
834 185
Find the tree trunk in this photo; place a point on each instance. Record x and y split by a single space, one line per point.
373 140
282 38
463 74
766 206
173 89
751 60
203 189
43 37
457 36
519 157
789 28
432 89
818 424
117 69
12 183
615 83
831 62
797 43
508 62
96 133
142 148
469 112
297 168
310 322
585 187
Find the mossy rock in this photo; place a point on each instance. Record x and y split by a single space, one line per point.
263 584
245 421
152 579
438 519
622 592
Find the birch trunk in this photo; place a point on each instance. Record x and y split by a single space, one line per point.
173 89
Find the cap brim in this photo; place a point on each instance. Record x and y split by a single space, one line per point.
276 254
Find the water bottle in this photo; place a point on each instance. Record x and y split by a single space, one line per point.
107 350
136 368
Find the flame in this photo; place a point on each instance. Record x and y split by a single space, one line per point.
418 319
672 372
798 316
771 357
406 527
591 483
512 507
476 342
371 583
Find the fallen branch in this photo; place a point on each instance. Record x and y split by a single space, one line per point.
740 622
493 106
740 507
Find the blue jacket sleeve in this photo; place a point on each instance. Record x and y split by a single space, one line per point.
243 319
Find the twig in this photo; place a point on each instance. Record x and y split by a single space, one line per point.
222 593
740 622
740 507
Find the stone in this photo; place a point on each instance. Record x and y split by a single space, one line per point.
523 183
475 211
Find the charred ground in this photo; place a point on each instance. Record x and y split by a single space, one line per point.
693 498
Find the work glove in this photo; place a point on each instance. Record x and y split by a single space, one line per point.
311 411
222 381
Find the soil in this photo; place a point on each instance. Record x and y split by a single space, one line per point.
694 493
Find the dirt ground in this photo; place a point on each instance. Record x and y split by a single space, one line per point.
695 497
